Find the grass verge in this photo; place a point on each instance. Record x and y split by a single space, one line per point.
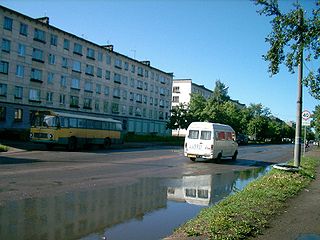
247 213
3 148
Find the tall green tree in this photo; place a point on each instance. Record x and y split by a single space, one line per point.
220 92
315 123
179 117
292 33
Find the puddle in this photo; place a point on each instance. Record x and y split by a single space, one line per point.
147 209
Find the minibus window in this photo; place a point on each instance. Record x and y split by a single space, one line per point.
193 134
205 135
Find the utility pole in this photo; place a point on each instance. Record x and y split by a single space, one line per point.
297 146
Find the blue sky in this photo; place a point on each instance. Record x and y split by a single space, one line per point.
203 40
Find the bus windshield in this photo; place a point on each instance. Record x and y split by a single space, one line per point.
45 121
50 121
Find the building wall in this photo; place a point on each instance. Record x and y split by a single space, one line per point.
43 67
181 93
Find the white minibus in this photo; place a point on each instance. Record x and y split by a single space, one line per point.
207 140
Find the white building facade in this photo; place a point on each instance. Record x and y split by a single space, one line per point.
181 93
45 68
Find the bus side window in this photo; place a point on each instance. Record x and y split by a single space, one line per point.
97 125
90 124
118 126
82 123
112 126
73 122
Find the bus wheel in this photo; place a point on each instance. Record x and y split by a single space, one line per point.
107 143
72 144
234 157
49 146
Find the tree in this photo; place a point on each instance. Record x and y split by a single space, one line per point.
315 123
179 117
293 32
220 92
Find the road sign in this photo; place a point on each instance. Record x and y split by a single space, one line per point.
306 123
306 115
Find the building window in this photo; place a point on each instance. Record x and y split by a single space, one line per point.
7 23
98 88
76 67
64 62
116 92
124 94
99 72
138 112
100 56
108 75
126 66
75 83
74 101
124 110
66 44
118 63
20 71
50 77
105 106
4 67
124 80
88 86
139 85
51 59
145 86
131 110
89 70
131 96
3 90
34 95
37 55
6 45
145 99
21 50
77 49
36 75
151 100
54 40
117 78
138 98
23 29
132 82
62 99
97 106
63 81
140 71
108 59
50 97
90 53
18 113
176 89
115 108
2 113
133 68
87 103
39 35
106 90
18 92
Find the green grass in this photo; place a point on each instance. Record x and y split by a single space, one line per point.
248 212
3 148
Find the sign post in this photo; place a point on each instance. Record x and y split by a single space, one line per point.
305 122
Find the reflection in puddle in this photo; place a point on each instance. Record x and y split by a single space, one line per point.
147 209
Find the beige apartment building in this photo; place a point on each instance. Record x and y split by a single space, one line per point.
43 67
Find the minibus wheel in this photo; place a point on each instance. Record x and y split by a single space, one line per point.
234 157
218 159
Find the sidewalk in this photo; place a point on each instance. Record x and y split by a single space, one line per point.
21 146
301 219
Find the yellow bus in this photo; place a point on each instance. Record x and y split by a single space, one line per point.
73 130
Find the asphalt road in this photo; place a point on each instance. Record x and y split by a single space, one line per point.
38 173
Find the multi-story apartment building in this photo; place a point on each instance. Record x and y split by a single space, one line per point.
43 67
181 93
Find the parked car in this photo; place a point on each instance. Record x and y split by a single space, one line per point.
242 139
